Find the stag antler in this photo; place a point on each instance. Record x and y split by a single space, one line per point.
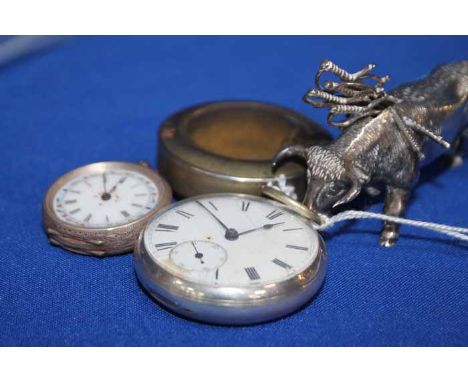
351 97
359 95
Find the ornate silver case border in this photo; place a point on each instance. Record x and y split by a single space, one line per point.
100 241
237 305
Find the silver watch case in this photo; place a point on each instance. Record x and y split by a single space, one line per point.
229 305
100 241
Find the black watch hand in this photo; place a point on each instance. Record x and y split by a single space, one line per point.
216 218
266 226
121 180
198 255
104 182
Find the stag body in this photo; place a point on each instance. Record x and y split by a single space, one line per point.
386 137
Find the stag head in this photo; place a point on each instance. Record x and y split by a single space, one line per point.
330 180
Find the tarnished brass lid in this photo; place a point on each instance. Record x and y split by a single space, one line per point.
228 146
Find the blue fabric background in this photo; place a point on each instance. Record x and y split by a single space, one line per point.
94 99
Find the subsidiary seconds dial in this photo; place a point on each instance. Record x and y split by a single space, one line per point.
213 243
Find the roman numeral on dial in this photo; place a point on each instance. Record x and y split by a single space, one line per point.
245 206
298 247
164 246
73 191
167 228
292 229
213 205
274 214
281 263
185 214
252 273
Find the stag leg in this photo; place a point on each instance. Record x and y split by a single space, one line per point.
459 149
308 197
395 204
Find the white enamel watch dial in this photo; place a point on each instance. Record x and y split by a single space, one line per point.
105 199
230 258
99 208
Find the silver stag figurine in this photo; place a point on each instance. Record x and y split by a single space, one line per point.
386 137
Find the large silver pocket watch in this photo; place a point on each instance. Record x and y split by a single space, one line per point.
231 258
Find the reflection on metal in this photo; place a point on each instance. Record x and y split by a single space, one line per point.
227 147
384 135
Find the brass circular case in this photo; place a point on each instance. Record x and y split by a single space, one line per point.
228 146
100 241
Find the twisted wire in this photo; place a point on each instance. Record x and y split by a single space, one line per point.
351 97
360 95
331 67
348 89
435 137
327 98
409 135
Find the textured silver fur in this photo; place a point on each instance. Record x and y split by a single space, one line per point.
385 137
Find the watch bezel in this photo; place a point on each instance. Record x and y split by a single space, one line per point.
100 241
233 305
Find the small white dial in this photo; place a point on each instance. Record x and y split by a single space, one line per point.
229 240
198 255
105 198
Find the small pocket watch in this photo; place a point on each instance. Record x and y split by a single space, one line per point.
231 258
100 209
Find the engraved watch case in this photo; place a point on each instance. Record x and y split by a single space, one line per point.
100 241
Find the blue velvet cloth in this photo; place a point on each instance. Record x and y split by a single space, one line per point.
102 98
